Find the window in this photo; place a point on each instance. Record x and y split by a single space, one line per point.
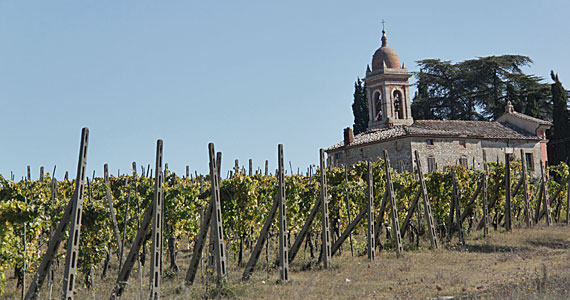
378 105
398 106
337 155
464 162
429 142
462 144
529 161
431 164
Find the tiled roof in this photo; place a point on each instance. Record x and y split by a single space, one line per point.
529 118
443 128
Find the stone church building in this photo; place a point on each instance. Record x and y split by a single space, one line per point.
439 143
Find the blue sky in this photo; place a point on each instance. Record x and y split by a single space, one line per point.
245 75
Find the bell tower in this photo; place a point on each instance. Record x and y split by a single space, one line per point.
387 89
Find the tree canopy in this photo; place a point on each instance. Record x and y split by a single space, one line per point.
478 89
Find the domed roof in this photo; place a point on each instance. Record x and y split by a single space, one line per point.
386 55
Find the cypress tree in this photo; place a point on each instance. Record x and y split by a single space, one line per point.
559 145
360 108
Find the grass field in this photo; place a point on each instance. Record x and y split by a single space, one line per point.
524 264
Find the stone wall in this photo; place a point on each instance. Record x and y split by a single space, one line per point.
445 151
399 152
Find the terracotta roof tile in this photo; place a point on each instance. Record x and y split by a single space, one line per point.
443 128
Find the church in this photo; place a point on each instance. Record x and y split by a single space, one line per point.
439 143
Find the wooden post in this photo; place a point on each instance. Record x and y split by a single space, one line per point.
545 196
217 225
568 202
457 208
187 171
347 231
394 209
218 163
485 204
525 191
370 232
380 218
262 239
451 217
348 210
427 205
325 232
24 243
266 167
508 206
155 258
250 167
200 242
304 230
469 207
411 212
75 228
111 210
283 253
538 201
125 271
125 223
42 174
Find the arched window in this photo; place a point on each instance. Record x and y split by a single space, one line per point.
377 105
398 105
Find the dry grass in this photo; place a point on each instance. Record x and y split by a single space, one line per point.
525 264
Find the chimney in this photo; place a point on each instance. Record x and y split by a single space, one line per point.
509 108
348 137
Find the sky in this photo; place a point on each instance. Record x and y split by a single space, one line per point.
245 75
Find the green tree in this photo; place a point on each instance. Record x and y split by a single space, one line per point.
559 146
360 108
422 106
478 89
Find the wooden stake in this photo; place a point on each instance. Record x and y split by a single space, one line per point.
155 258
262 238
568 202
485 204
217 225
283 245
348 210
75 228
427 206
508 206
525 191
545 196
457 208
411 212
111 210
370 232
394 209
325 232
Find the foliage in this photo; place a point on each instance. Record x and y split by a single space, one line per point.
360 108
246 201
478 89
559 146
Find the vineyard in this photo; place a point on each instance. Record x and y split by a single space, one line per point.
30 211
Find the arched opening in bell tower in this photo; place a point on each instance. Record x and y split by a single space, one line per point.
398 105
377 105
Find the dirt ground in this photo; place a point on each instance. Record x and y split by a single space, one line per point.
523 264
